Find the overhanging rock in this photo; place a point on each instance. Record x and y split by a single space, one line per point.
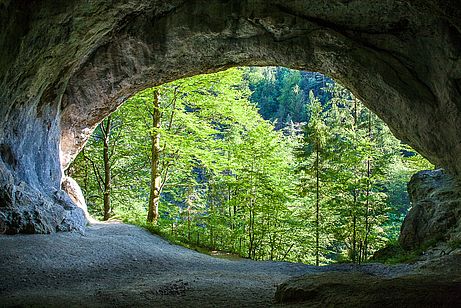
65 66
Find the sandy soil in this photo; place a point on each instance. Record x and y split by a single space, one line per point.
122 265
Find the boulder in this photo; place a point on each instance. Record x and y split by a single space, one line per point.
360 289
435 214
27 210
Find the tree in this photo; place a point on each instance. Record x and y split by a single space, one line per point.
105 130
313 156
321 181
156 180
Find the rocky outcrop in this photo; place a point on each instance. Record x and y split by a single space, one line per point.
431 284
435 215
71 187
24 209
65 66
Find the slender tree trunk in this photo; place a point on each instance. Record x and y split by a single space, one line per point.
85 178
229 208
272 246
251 226
367 212
229 197
354 229
254 237
354 214
240 246
251 231
317 206
155 186
105 129
360 251
188 223
236 193
212 214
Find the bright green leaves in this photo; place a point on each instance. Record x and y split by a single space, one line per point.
329 184
347 166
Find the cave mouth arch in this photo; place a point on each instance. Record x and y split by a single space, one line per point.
400 58
151 50
272 85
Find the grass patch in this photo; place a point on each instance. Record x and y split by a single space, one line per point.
394 253
158 230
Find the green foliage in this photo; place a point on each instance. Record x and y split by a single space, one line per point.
282 94
454 243
393 253
322 179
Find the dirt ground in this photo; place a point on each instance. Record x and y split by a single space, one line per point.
121 265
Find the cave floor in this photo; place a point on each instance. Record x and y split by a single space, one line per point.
115 264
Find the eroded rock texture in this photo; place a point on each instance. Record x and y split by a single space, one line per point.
431 284
65 65
435 215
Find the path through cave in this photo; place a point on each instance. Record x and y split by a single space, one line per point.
121 265
118 265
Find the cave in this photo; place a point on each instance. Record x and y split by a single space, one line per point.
65 66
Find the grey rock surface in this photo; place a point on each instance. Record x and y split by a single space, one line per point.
66 65
430 284
435 215
118 265
25 209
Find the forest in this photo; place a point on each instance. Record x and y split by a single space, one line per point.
265 163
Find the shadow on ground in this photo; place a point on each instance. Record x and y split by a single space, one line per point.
118 265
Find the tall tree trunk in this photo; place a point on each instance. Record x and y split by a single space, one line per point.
272 244
317 206
155 185
360 251
105 129
229 198
211 189
251 227
354 229
354 217
188 223
367 213
251 231
85 176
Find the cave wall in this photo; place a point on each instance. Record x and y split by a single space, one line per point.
66 65
435 216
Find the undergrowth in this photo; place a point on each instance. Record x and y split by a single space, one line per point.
157 230
394 253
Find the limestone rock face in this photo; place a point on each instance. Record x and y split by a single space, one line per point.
71 187
436 210
66 65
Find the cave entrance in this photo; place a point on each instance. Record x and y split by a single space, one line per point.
261 162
